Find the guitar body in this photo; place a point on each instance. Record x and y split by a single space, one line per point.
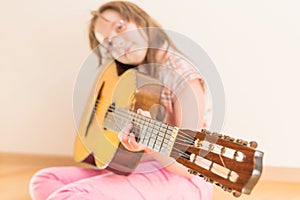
94 143
233 164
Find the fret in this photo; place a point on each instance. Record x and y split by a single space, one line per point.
159 136
171 140
151 125
151 133
142 123
137 126
163 140
156 136
131 116
167 135
146 128
154 133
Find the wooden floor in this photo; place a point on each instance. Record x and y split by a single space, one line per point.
16 170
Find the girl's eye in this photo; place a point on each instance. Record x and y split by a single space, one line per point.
120 27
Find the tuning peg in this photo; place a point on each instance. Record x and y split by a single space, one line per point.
223 150
235 155
211 147
218 184
226 137
215 134
210 180
253 144
199 143
194 172
237 194
205 131
227 189
242 142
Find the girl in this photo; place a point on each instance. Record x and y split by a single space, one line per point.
132 38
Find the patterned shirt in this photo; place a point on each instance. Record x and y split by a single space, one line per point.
175 74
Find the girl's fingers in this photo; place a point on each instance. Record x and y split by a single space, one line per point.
143 112
134 146
127 128
128 139
130 142
123 134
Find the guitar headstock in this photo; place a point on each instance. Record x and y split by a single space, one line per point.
233 164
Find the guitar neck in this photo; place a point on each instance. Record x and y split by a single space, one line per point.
233 164
149 132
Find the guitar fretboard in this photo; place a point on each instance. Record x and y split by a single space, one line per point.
149 132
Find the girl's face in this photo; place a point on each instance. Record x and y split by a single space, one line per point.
121 38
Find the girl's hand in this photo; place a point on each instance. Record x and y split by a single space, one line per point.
127 138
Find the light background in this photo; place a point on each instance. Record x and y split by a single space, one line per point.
254 44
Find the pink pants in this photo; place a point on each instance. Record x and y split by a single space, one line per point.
80 183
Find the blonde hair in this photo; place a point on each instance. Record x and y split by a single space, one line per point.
133 13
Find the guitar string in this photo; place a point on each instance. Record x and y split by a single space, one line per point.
180 152
164 143
154 126
147 135
191 140
106 103
179 132
183 143
176 142
136 116
184 140
211 166
98 101
140 117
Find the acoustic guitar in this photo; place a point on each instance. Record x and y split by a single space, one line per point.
233 164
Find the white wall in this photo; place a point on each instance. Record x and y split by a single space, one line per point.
254 44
